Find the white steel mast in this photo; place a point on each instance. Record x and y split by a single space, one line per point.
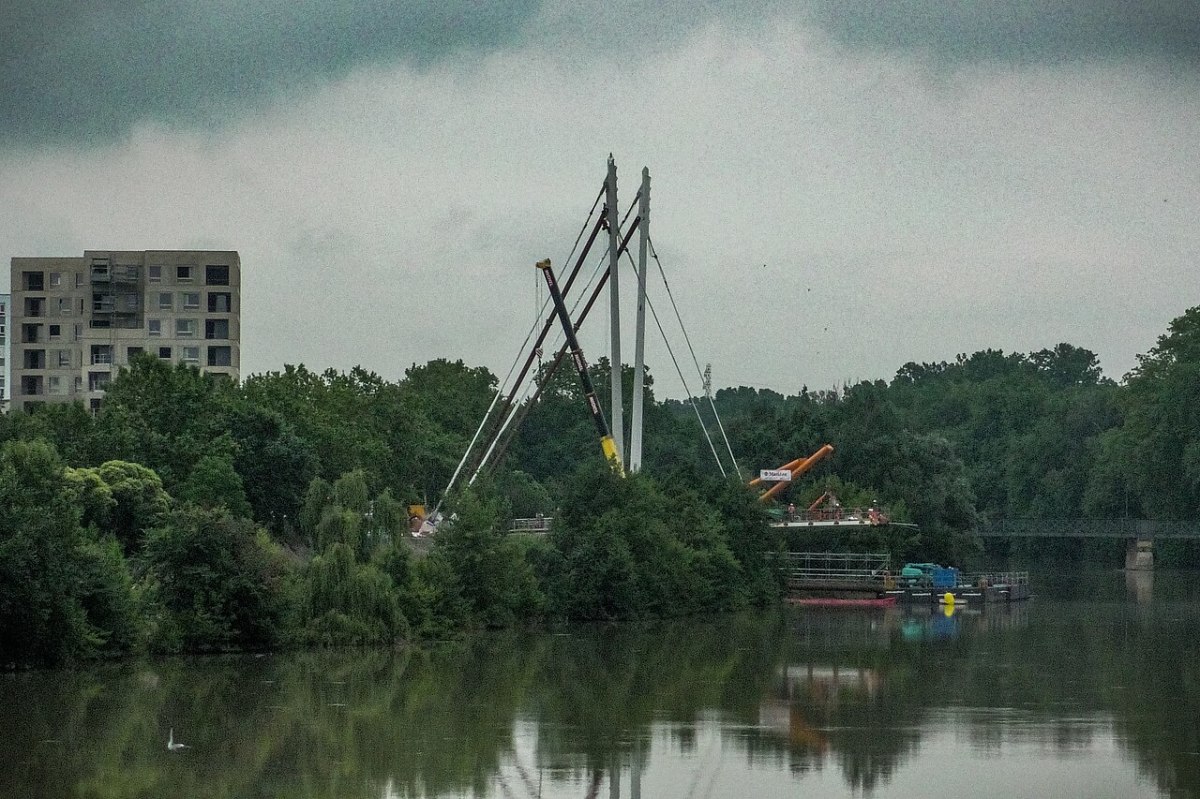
639 334
614 249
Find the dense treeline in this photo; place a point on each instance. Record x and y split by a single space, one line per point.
193 514
995 435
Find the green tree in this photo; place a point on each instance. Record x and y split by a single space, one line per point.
42 617
140 500
214 483
1158 446
347 602
491 573
221 580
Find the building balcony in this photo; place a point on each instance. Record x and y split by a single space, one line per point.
107 273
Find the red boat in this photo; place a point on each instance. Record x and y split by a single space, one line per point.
835 602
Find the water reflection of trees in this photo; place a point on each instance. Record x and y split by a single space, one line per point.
803 691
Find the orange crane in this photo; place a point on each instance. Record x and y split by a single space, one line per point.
797 467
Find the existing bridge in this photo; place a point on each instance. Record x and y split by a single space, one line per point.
1140 533
1088 528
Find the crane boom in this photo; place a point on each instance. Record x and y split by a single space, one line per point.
797 470
607 444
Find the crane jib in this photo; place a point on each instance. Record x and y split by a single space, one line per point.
607 444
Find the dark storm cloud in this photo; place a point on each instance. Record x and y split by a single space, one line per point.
1020 32
74 70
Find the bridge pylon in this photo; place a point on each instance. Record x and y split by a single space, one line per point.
1139 555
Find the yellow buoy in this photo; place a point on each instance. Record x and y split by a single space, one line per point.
948 599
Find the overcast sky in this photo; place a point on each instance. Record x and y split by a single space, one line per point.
839 186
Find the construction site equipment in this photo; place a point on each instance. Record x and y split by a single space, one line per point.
797 467
607 445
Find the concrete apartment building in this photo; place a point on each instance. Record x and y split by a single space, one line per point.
74 322
4 300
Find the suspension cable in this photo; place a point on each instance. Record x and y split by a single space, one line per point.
688 340
520 351
682 379
519 412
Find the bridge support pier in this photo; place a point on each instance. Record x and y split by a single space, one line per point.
1139 555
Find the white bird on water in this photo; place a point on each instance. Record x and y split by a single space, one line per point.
172 744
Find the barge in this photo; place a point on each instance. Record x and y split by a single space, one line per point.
852 579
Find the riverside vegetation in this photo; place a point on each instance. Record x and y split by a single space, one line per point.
192 514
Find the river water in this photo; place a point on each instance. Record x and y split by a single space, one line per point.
1090 690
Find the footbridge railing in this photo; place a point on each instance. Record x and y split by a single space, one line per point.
1087 528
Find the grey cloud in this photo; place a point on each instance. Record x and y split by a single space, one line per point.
74 71
1020 32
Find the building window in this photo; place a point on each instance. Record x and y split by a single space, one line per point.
220 356
78 333
78 383
216 275
33 281
133 352
100 323
165 301
154 274
55 332
185 327
183 274
55 280
191 355
64 306
101 353
190 300
98 381
78 279
64 358
219 302
54 385
35 359
164 353
216 328
154 327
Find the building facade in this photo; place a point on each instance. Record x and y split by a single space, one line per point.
4 300
74 322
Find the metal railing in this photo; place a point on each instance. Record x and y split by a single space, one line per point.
870 516
106 273
536 525
985 579
1087 528
836 567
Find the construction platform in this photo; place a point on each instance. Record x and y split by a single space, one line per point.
836 517
854 575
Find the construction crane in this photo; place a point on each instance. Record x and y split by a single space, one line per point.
796 467
607 444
